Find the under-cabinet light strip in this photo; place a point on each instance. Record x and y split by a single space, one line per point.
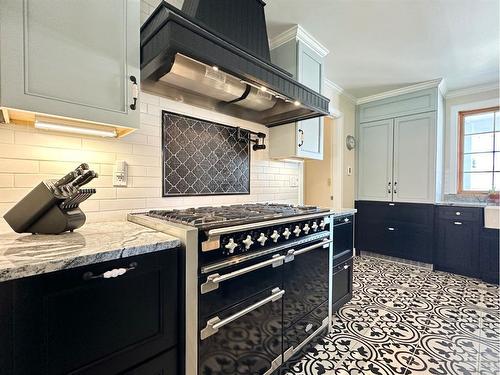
75 129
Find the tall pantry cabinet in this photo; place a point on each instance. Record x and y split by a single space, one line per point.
398 155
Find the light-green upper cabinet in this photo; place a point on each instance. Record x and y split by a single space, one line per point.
400 157
304 60
71 58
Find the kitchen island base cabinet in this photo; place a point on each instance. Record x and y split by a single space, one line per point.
164 364
78 322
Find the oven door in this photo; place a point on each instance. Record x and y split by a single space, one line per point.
305 280
342 284
245 338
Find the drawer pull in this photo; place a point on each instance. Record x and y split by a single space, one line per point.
346 266
308 327
214 324
391 204
457 222
458 213
111 274
391 229
213 280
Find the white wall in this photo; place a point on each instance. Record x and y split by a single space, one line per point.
28 156
453 105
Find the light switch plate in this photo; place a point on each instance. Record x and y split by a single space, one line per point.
294 181
120 173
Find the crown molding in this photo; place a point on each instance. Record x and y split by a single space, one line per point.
339 90
473 90
297 32
403 90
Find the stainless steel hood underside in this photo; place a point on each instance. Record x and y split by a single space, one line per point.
192 59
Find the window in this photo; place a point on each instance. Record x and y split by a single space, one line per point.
479 151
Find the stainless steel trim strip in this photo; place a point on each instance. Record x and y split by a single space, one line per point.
310 238
213 280
260 224
214 324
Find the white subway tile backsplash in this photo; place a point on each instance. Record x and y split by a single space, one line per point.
6 180
6 136
27 156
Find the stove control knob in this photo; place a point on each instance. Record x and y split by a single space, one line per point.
248 242
297 231
306 228
286 233
262 239
314 226
231 245
322 224
275 236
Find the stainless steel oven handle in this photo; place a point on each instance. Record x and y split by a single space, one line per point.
213 280
293 253
214 324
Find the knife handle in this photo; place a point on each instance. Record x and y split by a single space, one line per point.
66 179
82 168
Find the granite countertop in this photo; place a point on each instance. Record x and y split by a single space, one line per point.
344 211
23 255
464 204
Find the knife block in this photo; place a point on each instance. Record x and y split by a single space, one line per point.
43 211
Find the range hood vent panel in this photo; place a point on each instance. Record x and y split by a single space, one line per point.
176 52
241 22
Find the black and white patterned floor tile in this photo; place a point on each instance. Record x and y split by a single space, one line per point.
405 320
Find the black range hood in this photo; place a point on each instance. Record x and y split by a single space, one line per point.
215 54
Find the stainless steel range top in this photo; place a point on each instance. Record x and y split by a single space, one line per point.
205 218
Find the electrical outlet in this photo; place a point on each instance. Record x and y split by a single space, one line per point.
294 181
120 174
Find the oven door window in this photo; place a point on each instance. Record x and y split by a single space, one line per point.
244 339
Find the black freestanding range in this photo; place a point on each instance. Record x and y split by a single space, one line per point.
258 277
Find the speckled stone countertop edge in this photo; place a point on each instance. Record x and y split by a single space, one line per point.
133 240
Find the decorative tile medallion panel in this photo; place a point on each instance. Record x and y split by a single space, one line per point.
203 158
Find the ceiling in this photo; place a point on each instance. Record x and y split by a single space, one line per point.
380 45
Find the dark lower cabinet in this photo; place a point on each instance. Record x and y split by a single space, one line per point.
77 322
403 230
457 249
489 247
453 238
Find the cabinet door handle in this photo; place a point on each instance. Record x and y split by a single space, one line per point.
391 229
389 187
457 222
394 190
135 93
111 274
301 141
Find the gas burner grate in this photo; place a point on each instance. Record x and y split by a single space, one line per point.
234 214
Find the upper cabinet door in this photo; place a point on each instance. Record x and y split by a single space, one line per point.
71 58
310 132
414 158
375 155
